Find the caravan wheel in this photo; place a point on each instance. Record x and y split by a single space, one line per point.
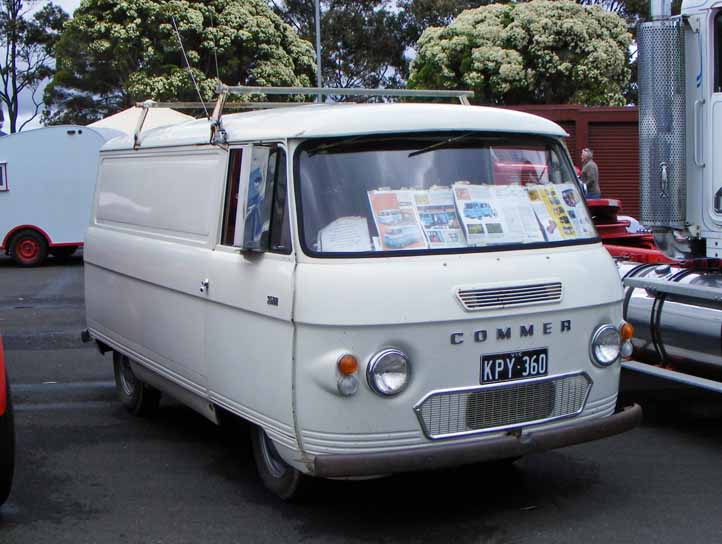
28 248
277 475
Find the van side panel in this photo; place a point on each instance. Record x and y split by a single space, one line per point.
166 194
147 254
249 338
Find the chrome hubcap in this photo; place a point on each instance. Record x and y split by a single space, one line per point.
276 466
128 381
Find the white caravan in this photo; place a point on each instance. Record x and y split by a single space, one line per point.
312 271
47 178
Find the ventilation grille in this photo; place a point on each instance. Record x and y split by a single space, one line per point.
456 413
481 299
662 124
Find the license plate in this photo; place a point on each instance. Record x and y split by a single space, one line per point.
516 365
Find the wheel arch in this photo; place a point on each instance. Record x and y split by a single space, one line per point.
12 232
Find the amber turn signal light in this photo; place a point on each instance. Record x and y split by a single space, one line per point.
347 365
626 331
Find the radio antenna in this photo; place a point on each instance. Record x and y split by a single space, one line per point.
215 46
188 65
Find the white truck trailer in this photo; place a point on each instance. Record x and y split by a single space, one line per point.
47 178
676 310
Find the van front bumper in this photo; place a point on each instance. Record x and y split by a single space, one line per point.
509 446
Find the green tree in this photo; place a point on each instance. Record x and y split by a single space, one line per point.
26 46
544 52
362 41
114 53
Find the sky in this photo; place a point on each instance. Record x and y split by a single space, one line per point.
25 102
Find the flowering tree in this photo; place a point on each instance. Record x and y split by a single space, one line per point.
114 53
544 52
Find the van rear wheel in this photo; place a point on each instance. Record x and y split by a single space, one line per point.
28 248
278 476
139 398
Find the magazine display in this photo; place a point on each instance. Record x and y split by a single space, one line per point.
464 215
575 211
552 212
437 214
480 213
346 234
397 221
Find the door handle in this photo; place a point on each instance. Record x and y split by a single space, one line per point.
698 136
204 285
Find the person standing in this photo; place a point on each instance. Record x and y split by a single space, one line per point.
590 174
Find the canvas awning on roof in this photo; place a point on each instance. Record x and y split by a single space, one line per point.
127 120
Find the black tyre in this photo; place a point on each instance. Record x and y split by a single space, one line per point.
277 475
28 248
64 252
139 398
7 447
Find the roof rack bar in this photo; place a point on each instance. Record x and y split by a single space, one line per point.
325 91
229 105
218 134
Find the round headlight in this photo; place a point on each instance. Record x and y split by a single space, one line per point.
606 345
388 372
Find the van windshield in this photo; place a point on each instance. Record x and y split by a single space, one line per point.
437 192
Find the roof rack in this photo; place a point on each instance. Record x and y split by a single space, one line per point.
218 134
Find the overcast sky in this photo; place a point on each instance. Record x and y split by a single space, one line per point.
25 102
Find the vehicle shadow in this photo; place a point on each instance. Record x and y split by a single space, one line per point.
51 262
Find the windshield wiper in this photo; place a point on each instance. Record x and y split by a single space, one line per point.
437 145
323 148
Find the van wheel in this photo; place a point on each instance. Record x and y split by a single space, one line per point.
138 398
7 447
28 248
277 475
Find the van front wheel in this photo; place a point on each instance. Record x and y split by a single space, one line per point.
138 398
277 475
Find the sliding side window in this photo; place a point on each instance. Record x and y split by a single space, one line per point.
230 209
266 165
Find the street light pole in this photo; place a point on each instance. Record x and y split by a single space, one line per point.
319 81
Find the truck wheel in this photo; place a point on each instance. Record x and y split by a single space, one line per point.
64 252
138 398
28 248
277 475
7 447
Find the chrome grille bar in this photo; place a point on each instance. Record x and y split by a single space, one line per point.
477 299
489 408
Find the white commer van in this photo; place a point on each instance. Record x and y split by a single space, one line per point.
376 288
47 178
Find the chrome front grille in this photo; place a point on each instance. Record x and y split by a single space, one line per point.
448 413
502 297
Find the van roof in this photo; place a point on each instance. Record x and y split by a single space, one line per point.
322 121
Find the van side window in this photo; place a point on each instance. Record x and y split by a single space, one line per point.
280 225
230 208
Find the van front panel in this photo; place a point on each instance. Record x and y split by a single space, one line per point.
412 304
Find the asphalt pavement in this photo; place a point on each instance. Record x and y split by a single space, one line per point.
89 472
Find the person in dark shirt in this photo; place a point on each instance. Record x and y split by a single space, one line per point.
590 174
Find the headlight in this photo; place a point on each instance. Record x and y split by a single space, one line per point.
605 346
388 372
